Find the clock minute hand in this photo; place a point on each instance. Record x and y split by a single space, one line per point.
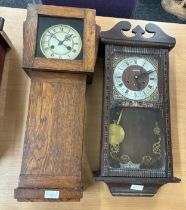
68 47
55 37
65 39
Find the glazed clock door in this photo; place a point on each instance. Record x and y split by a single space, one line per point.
136 137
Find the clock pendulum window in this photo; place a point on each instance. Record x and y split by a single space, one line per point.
4 46
59 54
136 156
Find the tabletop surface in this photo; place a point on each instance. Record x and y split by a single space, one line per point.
14 94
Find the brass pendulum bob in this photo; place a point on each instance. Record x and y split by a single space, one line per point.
116 132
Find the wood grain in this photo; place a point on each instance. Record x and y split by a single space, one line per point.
52 155
59 11
13 111
90 41
36 195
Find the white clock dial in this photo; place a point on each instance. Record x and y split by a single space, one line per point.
61 42
135 78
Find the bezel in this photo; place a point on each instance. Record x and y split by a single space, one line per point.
31 62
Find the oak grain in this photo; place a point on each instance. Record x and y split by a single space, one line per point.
13 111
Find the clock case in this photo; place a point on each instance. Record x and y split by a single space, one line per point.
51 167
120 181
4 46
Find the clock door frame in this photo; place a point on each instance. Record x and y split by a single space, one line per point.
89 38
163 104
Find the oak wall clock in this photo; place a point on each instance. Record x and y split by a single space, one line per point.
59 53
136 156
4 46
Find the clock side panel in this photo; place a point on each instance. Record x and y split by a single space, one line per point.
2 58
55 41
151 114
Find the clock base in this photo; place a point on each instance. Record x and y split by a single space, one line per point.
118 189
33 194
146 187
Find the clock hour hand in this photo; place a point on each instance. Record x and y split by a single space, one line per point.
65 39
68 47
55 37
145 73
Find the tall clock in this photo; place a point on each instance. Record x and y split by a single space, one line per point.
59 54
136 156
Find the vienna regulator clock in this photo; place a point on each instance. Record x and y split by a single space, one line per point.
59 53
136 151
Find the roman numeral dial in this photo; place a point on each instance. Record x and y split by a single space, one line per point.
135 78
61 42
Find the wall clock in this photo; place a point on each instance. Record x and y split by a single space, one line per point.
4 46
136 156
59 53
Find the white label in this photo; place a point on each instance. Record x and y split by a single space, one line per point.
51 194
136 187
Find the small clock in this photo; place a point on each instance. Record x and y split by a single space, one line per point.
59 55
61 42
136 145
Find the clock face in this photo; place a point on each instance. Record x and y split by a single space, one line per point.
61 42
135 78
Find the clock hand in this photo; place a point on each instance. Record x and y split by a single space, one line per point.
119 118
65 39
68 37
68 47
55 37
145 73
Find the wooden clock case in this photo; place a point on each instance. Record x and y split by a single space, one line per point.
4 46
52 156
122 181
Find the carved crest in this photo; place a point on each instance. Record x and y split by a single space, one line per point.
117 35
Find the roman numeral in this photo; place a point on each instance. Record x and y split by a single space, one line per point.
149 86
120 84
126 92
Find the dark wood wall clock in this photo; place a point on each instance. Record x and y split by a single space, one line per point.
4 46
59 53
136 156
